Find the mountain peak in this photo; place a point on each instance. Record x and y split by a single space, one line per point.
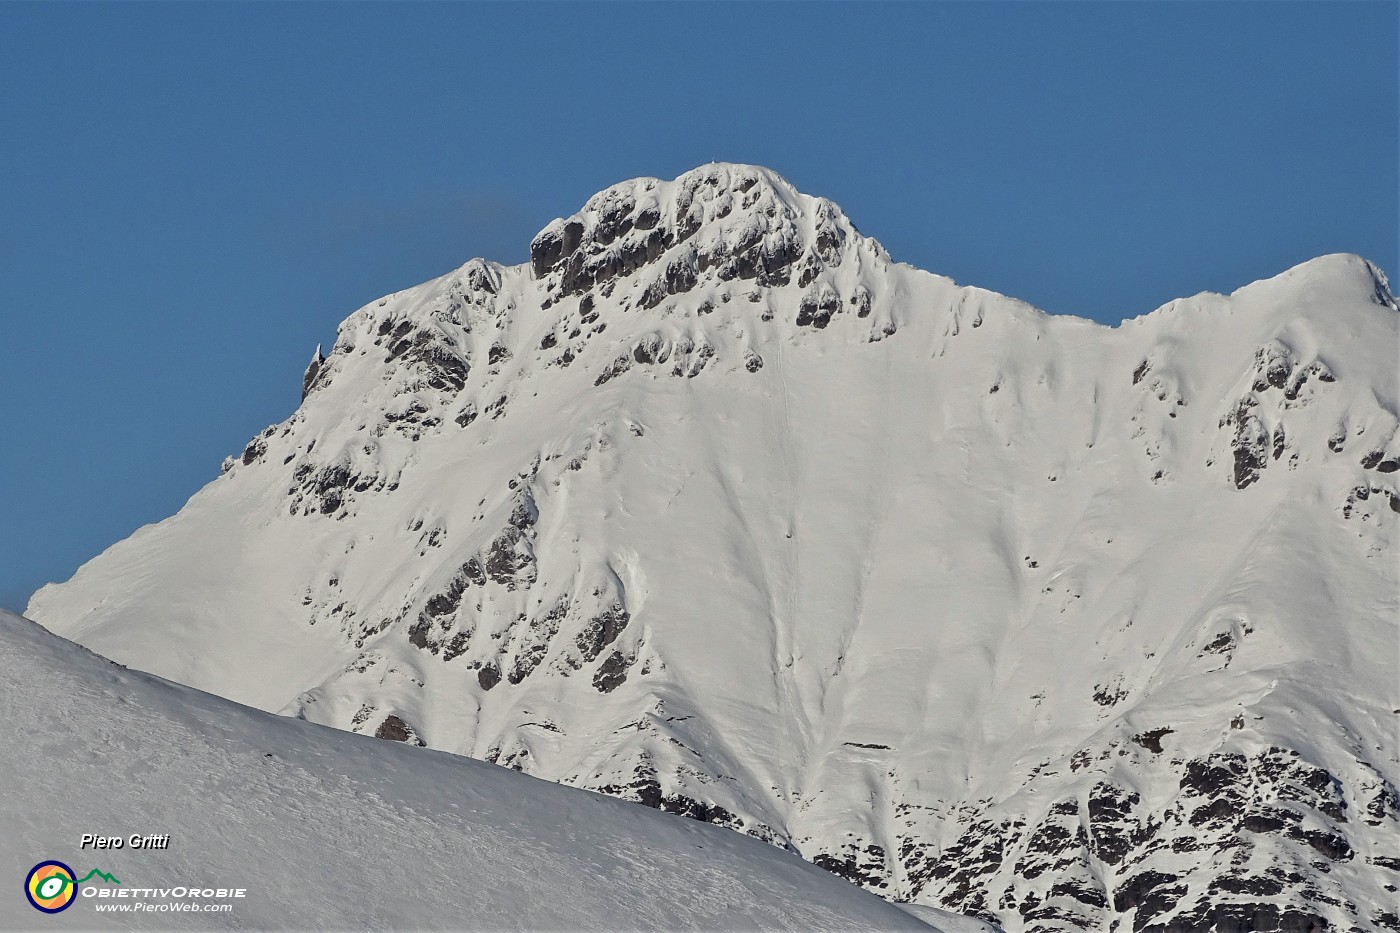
1335 275
713 507
742 221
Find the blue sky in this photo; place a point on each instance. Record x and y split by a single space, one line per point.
194 195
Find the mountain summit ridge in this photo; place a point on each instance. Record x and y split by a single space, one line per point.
746 222
726 512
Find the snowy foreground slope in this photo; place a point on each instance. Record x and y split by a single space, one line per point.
330 830
713 506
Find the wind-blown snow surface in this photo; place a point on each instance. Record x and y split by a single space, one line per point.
714 506
330 830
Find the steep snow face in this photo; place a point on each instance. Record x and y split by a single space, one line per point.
713 506
328 830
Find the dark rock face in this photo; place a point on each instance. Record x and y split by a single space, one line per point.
1260 834
817 310
392 728
1355 504
473 572
330 489
511 560
1250 444
483 278
623 230
1056 851
1241 918
602 631
525 513
864 866
651 349
1151 890
642 236
1109 694
428 350
1377 460
396 730
698 810
445 626
960 872
541 634
862 301
441 629
254 451
1114 828
449 620
1298 385
611 673
1273 364
691 359
550 246
446 603
645 789
1152 741
616 368
313 369
1256 421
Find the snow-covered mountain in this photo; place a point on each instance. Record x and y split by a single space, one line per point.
324 830
714 506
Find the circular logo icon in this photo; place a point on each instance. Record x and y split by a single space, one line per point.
50 887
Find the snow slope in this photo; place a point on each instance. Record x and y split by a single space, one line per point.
329 830
714 506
